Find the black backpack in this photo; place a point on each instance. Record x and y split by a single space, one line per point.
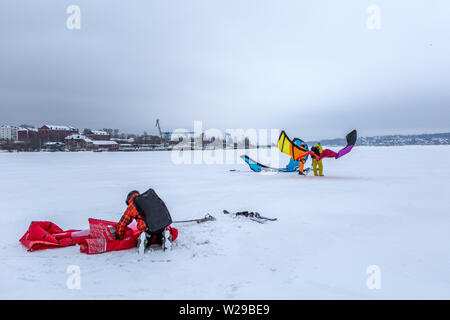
153 211
315 150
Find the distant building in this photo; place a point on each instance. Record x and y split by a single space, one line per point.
26 134
98 135
178 135
8 133
78 141
55 133
144 147
126 147
166 135
105 145
146 139
54 146
123 140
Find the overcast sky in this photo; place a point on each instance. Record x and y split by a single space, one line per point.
313 68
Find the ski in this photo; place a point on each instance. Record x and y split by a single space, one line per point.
255 216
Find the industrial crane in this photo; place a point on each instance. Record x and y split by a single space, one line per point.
159 129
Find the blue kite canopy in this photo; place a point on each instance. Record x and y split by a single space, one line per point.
292 166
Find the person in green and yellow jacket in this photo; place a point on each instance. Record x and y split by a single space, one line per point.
317 149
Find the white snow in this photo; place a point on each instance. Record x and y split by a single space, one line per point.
100 132
58 127
104 143
383 206
78 137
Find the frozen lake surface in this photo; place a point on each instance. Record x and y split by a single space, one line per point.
383 206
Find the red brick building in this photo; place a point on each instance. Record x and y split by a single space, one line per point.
53 133
98 135
78 142
27 134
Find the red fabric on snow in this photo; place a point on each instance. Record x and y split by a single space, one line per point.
46 235
98 239
101 237
102 240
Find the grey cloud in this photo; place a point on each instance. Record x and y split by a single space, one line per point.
313 68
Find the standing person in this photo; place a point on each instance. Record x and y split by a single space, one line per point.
317 149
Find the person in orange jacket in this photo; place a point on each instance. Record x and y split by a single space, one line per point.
132 213
129 215
302 161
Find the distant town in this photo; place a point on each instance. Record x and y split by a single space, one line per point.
51 137
394 140
66 138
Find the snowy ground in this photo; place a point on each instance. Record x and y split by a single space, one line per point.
384 206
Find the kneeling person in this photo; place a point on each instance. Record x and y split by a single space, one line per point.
154 223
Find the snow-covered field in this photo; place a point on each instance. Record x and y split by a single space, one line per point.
383 206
